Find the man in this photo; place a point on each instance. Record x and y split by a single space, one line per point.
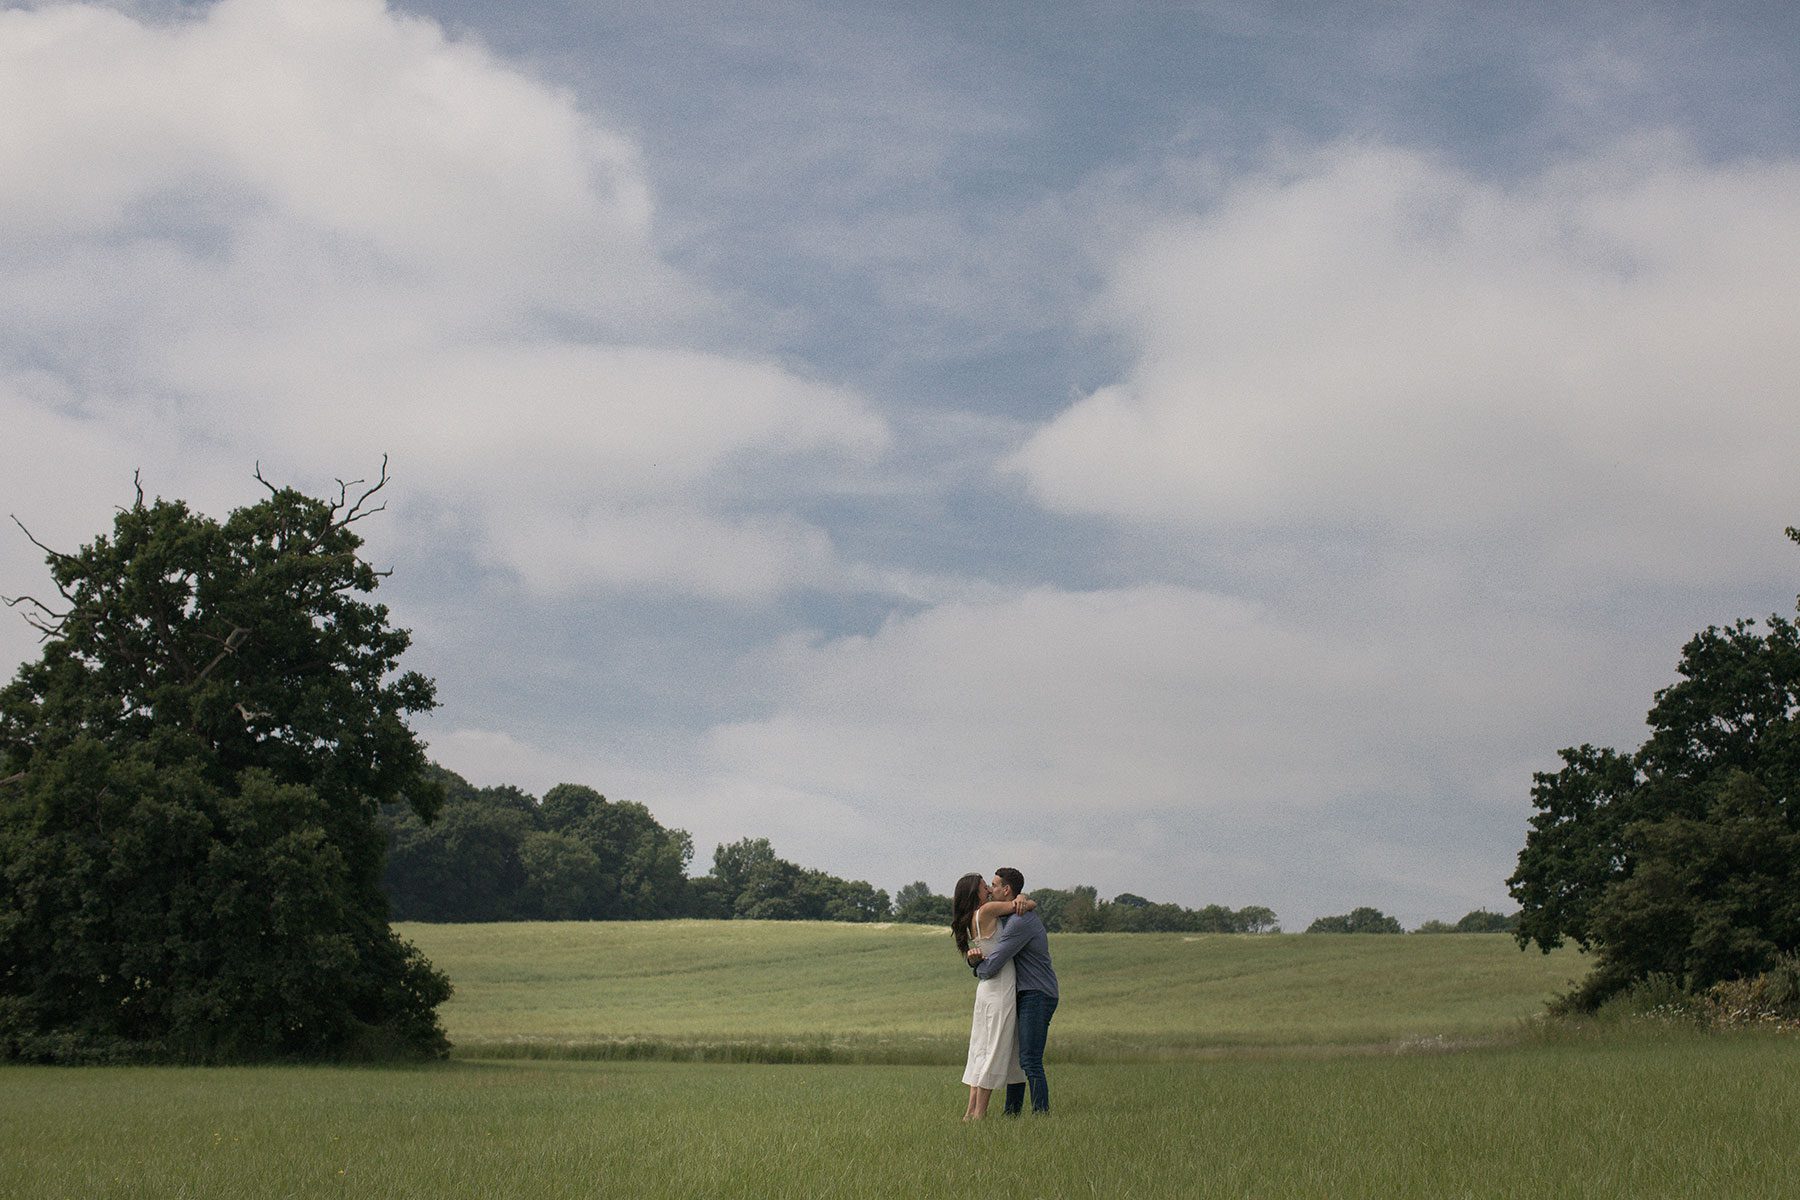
1024 942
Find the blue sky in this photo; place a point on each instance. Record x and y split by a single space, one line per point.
1215 451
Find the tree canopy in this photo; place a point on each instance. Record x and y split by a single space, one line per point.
1478 921
1682 858
1080 910
190 864
1357 920
499 854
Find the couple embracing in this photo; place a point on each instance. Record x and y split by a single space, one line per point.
1000 934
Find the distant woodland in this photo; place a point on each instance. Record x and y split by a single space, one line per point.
501 854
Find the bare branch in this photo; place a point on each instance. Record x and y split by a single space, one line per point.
45 629
238 634
356 511
15 601
251 714
33 539
47 621
57 555
15 777
137 482
273 490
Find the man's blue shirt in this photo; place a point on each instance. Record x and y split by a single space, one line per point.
1023 940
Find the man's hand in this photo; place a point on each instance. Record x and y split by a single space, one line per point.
975 956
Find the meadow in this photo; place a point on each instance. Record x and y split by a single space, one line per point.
815 991
1420 1073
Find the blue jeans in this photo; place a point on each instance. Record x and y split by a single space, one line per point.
1035 1010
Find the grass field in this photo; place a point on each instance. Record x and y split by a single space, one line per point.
806 991
1305 1067
1676 1116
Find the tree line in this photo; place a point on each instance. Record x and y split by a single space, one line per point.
1373 920
500 854
1080 910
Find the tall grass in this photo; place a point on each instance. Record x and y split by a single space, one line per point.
1679 1115
1190 1067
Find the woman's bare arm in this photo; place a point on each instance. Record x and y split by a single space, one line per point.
993 910
1001 908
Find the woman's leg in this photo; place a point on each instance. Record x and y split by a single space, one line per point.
980 1101
969 1112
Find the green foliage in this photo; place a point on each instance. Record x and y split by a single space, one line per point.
498 854
1709 898
646 863
750 882
1357 920
1080 910
916 904
734 863
1483 921
708 899
189 859
464 866
1656 997
564 878
1769 999
1682 859
1052 902
1573 850
1478 921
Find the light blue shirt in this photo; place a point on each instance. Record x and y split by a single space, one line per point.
1024 941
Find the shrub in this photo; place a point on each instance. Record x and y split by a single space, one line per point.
1770 998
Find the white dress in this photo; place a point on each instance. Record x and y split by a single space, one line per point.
994 1033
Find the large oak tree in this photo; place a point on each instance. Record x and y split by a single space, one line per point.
1683 858
190 862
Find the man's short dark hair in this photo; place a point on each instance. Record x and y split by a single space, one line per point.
1012 879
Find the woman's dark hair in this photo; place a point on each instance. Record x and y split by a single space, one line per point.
963 903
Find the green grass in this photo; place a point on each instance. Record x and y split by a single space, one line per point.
1668 1116
1182 1067
814 992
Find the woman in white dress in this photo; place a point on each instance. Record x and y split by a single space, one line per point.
994 1033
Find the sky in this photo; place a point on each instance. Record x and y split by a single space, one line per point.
1217 451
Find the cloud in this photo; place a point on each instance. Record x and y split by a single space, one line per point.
1214 748
1590 365
1165 740
305 231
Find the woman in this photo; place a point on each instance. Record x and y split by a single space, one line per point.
994 1032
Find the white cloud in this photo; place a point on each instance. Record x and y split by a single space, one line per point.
1216 749
308 231
1594 365
339 119
1163 740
